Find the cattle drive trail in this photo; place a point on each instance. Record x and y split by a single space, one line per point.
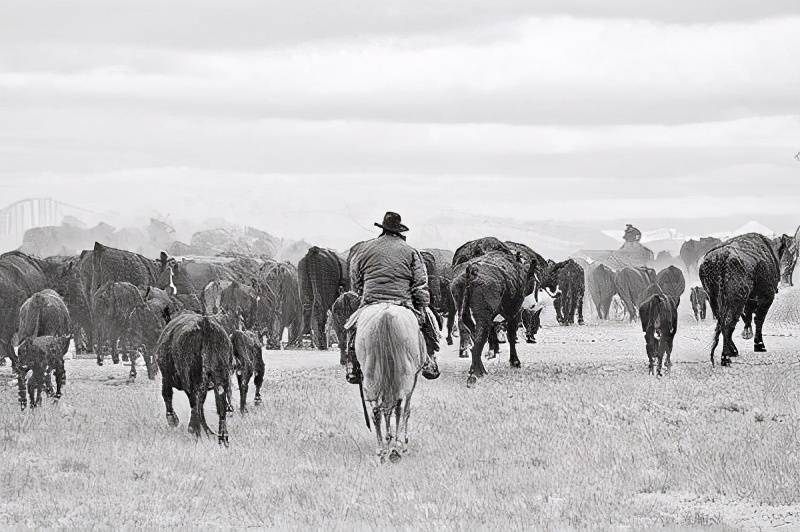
579 437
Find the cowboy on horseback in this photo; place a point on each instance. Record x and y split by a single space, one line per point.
388 270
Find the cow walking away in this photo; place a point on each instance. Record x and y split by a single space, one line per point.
659 317
532 320
632 285
741 279
698 298
194 355
566 285
322 276
485 286
247 363
40 355
602 289
344 307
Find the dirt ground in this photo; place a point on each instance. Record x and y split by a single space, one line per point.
579 437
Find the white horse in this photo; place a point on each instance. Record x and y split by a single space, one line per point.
391 351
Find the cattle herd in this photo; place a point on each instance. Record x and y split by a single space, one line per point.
200 321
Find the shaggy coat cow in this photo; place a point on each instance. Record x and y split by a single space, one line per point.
124 320
21 276
40 355
485 286
741 278
278 304
672 282
698 298
566 284
247 363
43 314
692 252
322 276
602 289
659 316
632 285
194 354
442 302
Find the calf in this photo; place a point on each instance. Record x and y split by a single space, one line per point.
247 363
698 298
41 355
531 319
659 316
194 355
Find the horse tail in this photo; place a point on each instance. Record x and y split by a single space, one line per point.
394 351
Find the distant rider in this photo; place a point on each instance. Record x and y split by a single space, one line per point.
388 270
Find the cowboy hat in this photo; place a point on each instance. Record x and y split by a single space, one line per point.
391 223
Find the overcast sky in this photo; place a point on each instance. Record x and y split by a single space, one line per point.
284 114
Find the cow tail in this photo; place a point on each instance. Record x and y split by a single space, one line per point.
471 275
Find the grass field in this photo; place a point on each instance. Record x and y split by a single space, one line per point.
579 437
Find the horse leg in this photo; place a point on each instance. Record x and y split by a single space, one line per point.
376 421
406 416
392 439
761 314
166 394
222 429
747 318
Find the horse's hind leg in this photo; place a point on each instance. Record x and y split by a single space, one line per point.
406 406
376 420
394 441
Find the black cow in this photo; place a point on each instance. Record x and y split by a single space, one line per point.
247 363
278 304
41 355
602 289
698 297
439 280
485 286
344 307
672 282
692 252
659 316
531 320
566 284
741 278
322 276
632 285
194 354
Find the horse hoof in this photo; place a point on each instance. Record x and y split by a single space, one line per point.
394 456
760 348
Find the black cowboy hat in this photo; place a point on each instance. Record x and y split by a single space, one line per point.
391 223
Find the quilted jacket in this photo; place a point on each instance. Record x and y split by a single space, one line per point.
388 269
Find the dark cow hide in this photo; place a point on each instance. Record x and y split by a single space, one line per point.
693 250
40 355
602 289
485 286
741 278
698 297
565 282
659 316
195 355
21 276
672 282
632 285
278 306
43 314
344 307
322 276
248 363
442 302
479 247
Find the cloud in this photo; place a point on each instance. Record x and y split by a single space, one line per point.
553 70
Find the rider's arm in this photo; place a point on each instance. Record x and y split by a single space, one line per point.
419 285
